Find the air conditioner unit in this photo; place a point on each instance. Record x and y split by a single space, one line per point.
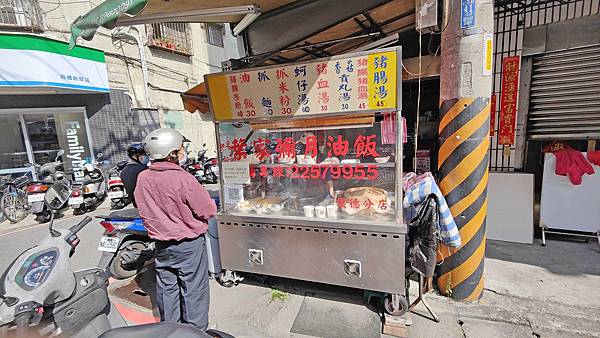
426 16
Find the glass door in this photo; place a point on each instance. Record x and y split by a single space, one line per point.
43 137
14 156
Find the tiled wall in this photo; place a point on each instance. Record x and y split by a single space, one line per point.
114 126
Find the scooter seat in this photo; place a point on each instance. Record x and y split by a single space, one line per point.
162 329
124 214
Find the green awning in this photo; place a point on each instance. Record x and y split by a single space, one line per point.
105 15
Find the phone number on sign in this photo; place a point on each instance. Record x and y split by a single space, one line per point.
357 172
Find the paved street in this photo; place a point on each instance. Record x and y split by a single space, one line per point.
18 237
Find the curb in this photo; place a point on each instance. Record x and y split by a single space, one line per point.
135 315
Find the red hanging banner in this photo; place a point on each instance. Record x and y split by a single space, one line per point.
492 114
508 102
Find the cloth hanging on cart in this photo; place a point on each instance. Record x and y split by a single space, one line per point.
572 163
416 190
424 237
388 129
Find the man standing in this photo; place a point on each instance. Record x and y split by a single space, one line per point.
175 209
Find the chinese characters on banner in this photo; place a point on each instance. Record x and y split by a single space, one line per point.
359 83
492 114
235 155
508 101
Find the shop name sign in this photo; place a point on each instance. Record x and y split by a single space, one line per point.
359 82
76 151
34 62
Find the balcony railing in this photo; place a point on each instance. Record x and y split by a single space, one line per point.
170 36
21 15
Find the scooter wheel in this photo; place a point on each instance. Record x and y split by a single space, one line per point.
117 269
43 217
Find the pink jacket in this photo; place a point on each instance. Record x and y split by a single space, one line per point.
173 205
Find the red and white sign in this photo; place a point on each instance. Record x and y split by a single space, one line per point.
508 102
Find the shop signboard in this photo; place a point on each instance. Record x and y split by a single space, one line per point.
350 83
467 14
29 61
508 101
73 139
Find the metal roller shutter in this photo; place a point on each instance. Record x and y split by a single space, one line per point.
565 95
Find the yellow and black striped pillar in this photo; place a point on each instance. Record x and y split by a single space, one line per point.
465 91
463 168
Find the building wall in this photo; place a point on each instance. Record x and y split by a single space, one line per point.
510 22
113 122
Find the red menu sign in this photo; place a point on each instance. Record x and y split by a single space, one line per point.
508 102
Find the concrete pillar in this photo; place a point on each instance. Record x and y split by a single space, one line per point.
465 91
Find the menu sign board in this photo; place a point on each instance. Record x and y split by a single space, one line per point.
354 83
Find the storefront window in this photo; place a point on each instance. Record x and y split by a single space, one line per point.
13 153
43 137
36 137
331 168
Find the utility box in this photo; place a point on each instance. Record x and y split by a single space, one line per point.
426 16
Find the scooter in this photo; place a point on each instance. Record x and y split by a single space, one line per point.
48 174
116 189
203 168
126 247
88 194
125 244
41 295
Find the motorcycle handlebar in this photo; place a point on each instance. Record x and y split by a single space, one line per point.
77 227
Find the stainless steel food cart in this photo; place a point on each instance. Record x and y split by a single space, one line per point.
310 158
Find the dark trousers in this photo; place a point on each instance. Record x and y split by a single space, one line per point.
182 281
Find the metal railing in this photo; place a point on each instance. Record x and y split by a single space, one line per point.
20 14
171 36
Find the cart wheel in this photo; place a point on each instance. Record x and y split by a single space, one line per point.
395 309
223 281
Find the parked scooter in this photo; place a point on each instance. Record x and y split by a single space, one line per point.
88 194
40 294
48 174
125 244
116 189
126 247
203 168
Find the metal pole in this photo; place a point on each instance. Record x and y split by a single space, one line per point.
465 93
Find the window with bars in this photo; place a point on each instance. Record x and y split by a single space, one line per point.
215 33
20 14
170 36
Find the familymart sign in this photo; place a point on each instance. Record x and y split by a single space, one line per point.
28 61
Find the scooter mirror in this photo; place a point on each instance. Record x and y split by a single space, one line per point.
57 195
99 156
60 153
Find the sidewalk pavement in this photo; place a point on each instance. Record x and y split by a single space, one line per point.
530 291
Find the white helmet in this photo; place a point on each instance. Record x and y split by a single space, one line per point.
161 142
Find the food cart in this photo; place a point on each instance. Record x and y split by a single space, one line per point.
310 157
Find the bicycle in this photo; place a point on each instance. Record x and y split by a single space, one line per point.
14 204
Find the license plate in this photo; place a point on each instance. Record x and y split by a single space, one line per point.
109 244
35 198
76 200
115 194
